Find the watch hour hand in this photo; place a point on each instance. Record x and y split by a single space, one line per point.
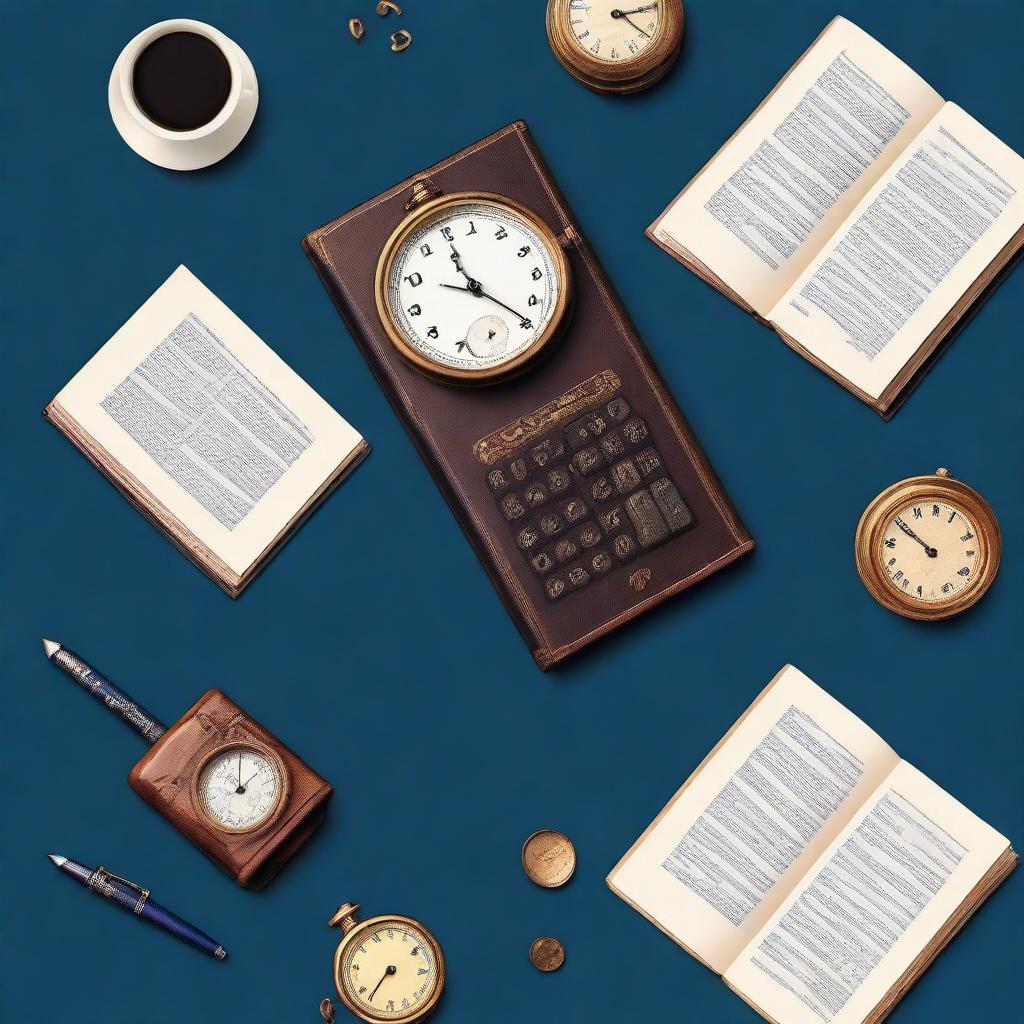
390 970
931 552
625 17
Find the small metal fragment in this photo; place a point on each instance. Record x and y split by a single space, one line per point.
401 40
385 7
356 28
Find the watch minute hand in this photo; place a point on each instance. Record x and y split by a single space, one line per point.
932 552
481 294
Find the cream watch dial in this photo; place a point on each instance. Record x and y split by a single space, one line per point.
930 551
473 287
614 30
240 788
389 970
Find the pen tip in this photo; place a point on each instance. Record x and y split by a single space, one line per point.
221 953
50 647
57 859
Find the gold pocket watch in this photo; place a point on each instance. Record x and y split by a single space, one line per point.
928 547
386 968
472 287
616 46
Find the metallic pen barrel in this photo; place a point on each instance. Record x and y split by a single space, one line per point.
103 689
131 897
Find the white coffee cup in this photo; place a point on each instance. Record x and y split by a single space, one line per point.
183 150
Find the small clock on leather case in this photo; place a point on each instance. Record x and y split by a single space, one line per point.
616 46
233 789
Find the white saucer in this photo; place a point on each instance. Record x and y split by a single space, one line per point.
183 151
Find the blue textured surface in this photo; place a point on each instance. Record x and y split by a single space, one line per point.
374 643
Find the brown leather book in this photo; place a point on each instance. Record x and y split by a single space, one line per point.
665 524
856 213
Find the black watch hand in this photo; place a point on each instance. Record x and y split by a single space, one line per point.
475 289
457 260
390 970
932 552
636 10
622 14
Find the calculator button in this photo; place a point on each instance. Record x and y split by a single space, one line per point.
574 510
512 507
518 469
578 577
601 562
586 460
497 480
541 455
626 476
589 535
671 505
597 424
612 519
551 524
625 547
601 488
578 435
554 587
618 409
527 538
635 430
542 562
650 527
559 480
535 495
612 445
649 462
566 550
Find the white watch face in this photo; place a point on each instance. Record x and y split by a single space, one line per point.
614 30
473 288
240 788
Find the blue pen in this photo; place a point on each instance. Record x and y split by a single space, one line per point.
131 897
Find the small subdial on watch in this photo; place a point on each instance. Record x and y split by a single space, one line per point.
487 336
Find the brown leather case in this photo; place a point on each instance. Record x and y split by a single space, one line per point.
165 778
461 433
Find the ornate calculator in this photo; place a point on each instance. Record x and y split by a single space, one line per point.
499 341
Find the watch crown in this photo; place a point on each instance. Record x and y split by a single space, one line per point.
344 917
941 472
422 190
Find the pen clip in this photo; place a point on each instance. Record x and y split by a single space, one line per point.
102 875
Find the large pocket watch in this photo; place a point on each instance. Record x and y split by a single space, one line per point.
928 547
616 46
472 287
386 968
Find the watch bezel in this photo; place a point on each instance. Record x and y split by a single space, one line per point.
529 356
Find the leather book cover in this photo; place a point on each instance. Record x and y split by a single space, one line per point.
653 516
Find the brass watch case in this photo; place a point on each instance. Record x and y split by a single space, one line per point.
617 77
874 523
345 919
426 203
283 785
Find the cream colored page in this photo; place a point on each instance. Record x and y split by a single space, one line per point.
238 512
725 851
869 906
771 198
908 252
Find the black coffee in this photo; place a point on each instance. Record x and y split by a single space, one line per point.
181 81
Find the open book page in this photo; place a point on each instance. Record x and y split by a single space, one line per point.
908 252
771 197
720 858
869 906
206 417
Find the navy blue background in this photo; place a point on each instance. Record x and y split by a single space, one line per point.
374 644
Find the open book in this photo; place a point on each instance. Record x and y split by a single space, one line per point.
809 865
206 431
855 212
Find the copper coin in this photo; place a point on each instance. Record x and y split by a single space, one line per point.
547 954
549 859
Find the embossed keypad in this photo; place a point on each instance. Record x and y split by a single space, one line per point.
591 495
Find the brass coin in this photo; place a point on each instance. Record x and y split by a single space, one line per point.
549 859
547 954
